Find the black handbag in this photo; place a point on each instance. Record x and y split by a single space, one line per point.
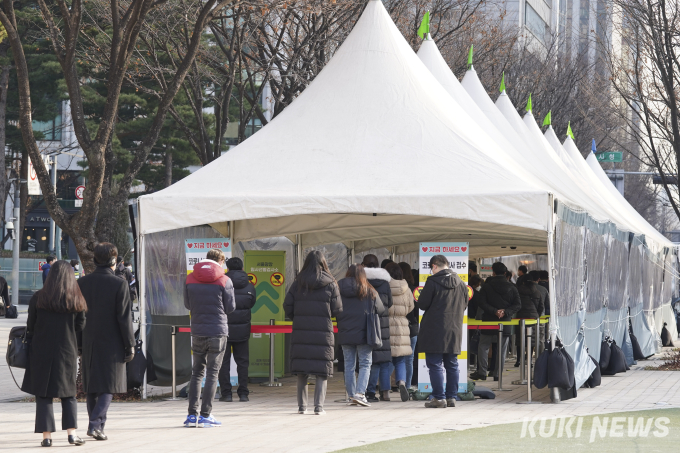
12 312
17 350
136 368
373 335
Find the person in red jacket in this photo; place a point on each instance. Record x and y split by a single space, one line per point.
209 296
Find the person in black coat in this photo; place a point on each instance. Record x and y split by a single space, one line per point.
444 299
499 301
108 339
382 356
239 333
532 305
4 292
359 301
312 300
56 314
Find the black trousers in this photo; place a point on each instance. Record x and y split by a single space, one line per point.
97 407
44 414
241 352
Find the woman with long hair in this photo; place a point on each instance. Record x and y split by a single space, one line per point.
312 300
400 340
359 300
413 323
55 314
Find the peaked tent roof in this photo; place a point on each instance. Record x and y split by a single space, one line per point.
372 134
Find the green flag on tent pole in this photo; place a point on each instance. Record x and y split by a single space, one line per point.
548 120
502 87
569 132
424 28
470 56
528 109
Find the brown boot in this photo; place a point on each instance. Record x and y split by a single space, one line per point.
384 395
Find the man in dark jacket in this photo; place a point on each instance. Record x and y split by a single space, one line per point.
108 338
209 297
444 299
382 357
544 282
46 268
500 301
239 333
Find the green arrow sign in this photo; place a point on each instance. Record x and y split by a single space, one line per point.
610 156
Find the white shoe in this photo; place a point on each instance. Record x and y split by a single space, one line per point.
361 400
321 412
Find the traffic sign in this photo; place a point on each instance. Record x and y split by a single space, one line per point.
610 156
79 192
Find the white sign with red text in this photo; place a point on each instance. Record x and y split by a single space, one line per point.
197 249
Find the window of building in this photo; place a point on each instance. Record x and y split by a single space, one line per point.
50 130
535 23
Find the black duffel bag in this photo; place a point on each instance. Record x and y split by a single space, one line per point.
541 368
595 378
666 337
617 362
136 368
560 368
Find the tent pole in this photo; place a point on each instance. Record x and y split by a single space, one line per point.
142 301
231 231
351 253
554 393
298 253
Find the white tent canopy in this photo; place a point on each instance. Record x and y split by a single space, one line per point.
374 151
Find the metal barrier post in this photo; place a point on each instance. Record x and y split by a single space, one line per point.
522 354
500 363
529 335
174 366
272 381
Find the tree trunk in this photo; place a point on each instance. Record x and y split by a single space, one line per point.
168 168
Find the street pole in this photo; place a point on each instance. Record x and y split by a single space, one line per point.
17 242
51 244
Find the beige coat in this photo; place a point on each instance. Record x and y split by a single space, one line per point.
402 305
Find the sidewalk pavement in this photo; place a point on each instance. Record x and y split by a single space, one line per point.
269 422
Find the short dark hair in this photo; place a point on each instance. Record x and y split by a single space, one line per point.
395 271
385 262
235 264
508 274
439 261
105 254
475 280
119 259
49 259
73 263
534 276
472 266
523 269
499 268
370 260
545 275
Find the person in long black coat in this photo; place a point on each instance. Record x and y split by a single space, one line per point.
108 338
56 314
312 300
382 357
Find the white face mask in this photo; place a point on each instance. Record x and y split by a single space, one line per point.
129 267
77 267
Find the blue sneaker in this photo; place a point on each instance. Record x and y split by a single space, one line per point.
208 422
191 421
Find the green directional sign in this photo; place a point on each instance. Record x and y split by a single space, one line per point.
610 156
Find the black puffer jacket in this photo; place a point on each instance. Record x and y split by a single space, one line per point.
312 340
413 317
239 319
532 303
499 294
380 280
352 320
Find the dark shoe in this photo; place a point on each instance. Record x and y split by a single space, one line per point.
517 364
98 434
434 403
46 443
75 440
371 397
477 377
495 378
243 398
403 391
226 398
385 395
450 402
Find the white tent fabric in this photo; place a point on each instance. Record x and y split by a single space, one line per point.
373 151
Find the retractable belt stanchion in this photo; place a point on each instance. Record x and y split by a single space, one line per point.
522 354
174 365
500 363
272 381
529 337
